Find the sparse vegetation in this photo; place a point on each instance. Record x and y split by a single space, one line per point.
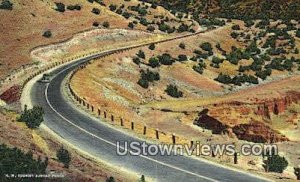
64 156
173 91
274 163
32 117
47 34
146 77
6 4
60 7
14 161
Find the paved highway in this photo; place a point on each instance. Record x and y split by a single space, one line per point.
88 134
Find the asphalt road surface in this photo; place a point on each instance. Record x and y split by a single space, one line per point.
92 136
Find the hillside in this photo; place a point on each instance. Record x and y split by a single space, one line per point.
236 9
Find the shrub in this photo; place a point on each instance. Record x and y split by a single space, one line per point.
131 25
14 161
297 172
182 57
223 78
200 67
136 60
112 7
166 59
6 4
60 7
47 34
32 117
74 7
151 28
154 62
206 46
146 77
64 156
141 54
106 24
152 46
182 45
275 163
234 35
298 33
173 91
96 11
95 24
143 83
235 27
110 179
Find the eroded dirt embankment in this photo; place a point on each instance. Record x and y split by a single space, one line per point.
250 121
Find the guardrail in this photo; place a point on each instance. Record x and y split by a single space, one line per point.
106 115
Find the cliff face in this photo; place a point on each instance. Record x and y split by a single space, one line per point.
278 105
249 121
257 132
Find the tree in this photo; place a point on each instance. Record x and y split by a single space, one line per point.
152 46
106 24
275 163
6 4
64 156
32 117
47 34
173 91
60 7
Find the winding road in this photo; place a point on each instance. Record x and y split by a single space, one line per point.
91 135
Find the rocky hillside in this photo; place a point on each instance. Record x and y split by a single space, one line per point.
237 9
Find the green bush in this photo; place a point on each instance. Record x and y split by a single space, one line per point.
141 54
297 172
106 24
32 117
182 45
166 59
60 7
64 156
96 11
47 34
6 4
235 27
182 57
110 179
275 163
173 91
154 62
14 161
298 33
146 77
152 46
